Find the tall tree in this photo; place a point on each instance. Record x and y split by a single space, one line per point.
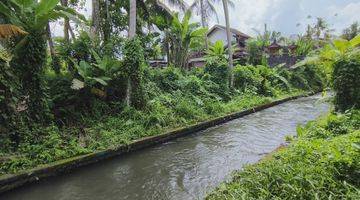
66 22
131 35
320 27
55 60
95 27
132 19
229 40
206 9
352 31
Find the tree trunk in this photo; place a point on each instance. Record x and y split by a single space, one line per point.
228 33
132 21
66 22
55 60
95 17
203 20
132 32
203 11
107 25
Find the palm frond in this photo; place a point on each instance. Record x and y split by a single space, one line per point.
9 30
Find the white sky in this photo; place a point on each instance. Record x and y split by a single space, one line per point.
280 15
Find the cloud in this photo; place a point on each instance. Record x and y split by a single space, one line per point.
279 15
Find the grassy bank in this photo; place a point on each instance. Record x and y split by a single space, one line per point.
323 162
174 99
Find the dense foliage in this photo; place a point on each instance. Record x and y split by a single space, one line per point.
96 91
346 82
322 163
175 99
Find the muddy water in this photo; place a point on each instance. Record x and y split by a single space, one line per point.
185 168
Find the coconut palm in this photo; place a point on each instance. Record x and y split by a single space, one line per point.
206 9
9 30
229 39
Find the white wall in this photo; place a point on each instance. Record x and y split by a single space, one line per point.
219 34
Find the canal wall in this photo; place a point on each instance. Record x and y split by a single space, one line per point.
12 181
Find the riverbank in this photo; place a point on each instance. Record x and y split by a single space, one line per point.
10 181
322 162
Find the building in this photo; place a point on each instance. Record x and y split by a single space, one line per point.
282 55
216 33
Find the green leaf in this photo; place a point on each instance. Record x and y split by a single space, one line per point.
45 6
23 3
342 45
199 32
355 41
5 10
101 81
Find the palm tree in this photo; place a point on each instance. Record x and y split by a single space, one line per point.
95 26
132 19
8 30
131 35
320 26
206 9
229 40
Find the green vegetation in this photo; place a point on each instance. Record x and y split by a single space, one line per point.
323 162
174 99
96 91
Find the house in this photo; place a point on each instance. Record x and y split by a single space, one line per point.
216 33
282 54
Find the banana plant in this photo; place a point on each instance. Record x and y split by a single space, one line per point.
218 50
181 34
33 16
97 75
29 54
332 51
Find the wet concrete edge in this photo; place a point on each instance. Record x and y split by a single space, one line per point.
12 181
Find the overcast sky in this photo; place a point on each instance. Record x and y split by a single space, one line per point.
280 15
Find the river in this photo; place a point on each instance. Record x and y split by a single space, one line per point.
185 168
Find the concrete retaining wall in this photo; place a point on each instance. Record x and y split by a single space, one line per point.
9 182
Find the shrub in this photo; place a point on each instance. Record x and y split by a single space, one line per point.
346 82
219 71
246 78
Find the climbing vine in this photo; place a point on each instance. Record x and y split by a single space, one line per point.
134 66
29 63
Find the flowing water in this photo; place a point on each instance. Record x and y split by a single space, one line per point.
185 168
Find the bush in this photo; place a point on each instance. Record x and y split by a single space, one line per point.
308 77
346 82
219 72
246 78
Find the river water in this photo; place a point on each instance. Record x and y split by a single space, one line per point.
184 169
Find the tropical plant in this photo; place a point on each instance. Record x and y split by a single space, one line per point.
181 34
9 30
96 74
33 16
304 46
332 52
346 82
216 50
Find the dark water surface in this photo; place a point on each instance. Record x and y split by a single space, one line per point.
185 168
